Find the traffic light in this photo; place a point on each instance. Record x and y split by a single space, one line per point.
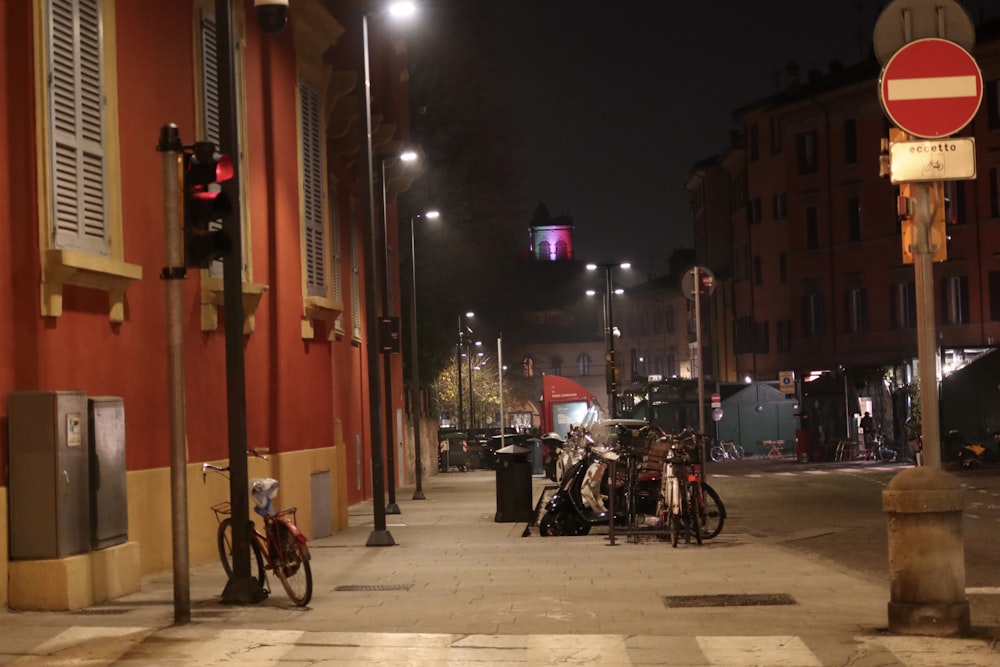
205 205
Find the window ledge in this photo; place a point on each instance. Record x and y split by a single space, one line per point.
69 267
320 308
213 298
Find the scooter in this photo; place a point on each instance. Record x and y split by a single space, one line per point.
582 499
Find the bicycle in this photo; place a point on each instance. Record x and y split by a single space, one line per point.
710 510
281 548
726 449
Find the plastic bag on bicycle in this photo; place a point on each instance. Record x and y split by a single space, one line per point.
262 490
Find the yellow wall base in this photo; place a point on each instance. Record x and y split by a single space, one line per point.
4 532
76 581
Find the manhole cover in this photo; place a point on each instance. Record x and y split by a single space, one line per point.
374 587
744 600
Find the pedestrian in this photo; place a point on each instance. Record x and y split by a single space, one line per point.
868 427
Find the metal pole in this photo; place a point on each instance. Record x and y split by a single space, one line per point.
697 338
418 493
458 364
380 536
173 272
241 587
472 417
610 323
923 282
503 421
390 442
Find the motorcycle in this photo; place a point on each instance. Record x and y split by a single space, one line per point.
585 487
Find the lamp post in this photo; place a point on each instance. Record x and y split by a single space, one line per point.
609 338
380 535
458 364
390 441
418 493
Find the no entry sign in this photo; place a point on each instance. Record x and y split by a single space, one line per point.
931 88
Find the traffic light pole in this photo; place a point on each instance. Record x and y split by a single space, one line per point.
241 587
171 147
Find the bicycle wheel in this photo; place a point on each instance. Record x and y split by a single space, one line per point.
693 513
886 453
738 452
291 564
711 511
717 453
225 541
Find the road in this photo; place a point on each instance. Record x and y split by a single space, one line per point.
835 511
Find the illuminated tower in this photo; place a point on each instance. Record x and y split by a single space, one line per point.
551 238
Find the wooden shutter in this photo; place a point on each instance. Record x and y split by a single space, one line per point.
76 122
312 189
209 77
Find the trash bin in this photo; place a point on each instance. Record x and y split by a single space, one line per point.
513 485
537 455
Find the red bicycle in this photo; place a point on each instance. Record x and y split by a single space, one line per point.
281 548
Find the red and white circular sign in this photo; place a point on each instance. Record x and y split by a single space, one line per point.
931 88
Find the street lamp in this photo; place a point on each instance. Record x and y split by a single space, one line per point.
609 329
390 441
462 328
418 493
472 417
380 535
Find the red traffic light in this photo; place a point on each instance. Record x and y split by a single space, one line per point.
205 204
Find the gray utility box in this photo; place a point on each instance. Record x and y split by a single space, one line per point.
49 474
108 494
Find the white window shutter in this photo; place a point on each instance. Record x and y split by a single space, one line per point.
312 190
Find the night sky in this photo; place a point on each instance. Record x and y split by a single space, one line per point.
609 103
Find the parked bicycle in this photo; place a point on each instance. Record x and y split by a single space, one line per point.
690 506
726 450
280 548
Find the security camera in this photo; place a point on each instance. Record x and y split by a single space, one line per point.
271 14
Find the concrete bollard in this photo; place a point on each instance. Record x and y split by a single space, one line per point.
926 554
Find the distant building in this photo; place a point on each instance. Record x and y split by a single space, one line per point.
551 238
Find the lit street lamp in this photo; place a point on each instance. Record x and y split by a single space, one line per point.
462 329
380 535
418 493
609 337
390 441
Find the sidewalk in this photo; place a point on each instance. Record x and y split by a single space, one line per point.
459 588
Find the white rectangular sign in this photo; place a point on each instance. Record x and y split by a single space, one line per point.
950 159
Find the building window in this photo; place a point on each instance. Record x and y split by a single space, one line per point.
994 296
528 367
758 271
955 299
854 219
668 317
856 310
556 365
583 364
780 206
672 363
562 250
783 336
753 145
807 155
355 271
812 228
753 210
775 135
337 249
813 314
903 306
658 320
312 177
993 103
850 141
783 267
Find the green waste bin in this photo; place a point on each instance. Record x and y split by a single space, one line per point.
513 485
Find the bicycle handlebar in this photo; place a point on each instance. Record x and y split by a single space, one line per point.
254 453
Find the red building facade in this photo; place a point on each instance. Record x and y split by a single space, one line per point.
87 86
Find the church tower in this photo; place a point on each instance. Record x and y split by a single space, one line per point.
551 238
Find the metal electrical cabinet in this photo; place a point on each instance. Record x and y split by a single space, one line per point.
49 474
108 495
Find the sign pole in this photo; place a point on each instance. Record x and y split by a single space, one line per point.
697 338
923 283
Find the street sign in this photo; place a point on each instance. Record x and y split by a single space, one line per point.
786 382
931 88
903 21
952 159
716 400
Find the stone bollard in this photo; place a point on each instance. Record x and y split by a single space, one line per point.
926 554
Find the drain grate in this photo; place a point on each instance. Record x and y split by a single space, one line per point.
745 600
102 612
374 587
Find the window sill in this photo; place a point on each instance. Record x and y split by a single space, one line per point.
68 267
323 309
213 298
